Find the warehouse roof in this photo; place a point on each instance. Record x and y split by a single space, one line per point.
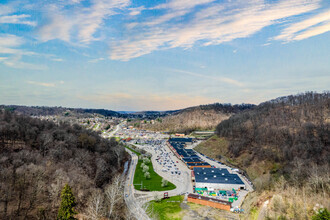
216 175
208 199
198 164
182 140
194 159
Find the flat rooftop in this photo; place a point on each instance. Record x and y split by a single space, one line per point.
194 196
216 175
198 164
192 159
182 140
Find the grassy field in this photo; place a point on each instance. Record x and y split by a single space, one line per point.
153 183
166 209
134 151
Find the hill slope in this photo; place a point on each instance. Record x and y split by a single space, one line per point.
284 146
38 157
204 117
44 110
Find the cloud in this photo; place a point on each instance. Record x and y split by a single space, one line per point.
76 21
175 23
136 11
17 19
41 84
7 15
57 59
214 78
9 45
315 25
160 102
15 62
213 24
96 60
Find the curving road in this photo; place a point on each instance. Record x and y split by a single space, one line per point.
182 182
135 198
132 203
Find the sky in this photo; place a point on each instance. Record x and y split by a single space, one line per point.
133 55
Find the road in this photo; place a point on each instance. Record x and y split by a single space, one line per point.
132 203
111 134
182 182
135 198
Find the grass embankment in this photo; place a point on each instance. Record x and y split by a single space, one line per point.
153 183
217 148
134 151
172 209
166 209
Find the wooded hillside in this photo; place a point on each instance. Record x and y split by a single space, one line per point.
286 130
204 117
284 147
44 110
37 158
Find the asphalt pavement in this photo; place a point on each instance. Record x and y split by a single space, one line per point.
133 204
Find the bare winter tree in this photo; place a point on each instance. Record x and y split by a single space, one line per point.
114 195
95 208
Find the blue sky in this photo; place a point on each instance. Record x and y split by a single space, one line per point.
161 55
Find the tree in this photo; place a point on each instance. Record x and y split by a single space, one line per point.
66 211
146 160
147 175
114 196
95 207
145 169
322 214
164 182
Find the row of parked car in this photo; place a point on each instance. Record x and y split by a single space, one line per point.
163 159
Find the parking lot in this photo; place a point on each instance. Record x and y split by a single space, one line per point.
167 165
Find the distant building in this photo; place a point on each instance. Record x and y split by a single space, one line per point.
179 135
216 203
217 179
181 140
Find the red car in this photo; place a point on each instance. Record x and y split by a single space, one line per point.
177 161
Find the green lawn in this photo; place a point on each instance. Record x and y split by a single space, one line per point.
166 209
134 151
153 183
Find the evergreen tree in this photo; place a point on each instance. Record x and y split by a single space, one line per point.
66 211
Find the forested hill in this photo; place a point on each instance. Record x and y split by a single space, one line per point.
38 157
282 130
284 147
204 117
226 108
44 110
